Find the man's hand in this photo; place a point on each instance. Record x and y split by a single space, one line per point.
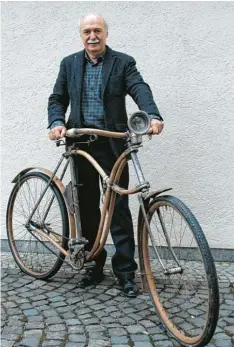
57 132
156 127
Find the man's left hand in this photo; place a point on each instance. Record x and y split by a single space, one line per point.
156 127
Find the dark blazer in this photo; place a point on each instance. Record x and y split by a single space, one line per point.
119 78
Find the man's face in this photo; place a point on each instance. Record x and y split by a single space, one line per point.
93 34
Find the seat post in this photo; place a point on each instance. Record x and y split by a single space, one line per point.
75 185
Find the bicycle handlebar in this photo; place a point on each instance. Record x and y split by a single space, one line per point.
75 133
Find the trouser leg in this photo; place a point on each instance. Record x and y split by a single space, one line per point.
89 198
123 262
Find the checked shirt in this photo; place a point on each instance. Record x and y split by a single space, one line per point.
92 104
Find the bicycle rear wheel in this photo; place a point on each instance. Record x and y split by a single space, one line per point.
35 255
182 278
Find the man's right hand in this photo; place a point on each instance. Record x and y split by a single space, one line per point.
57 133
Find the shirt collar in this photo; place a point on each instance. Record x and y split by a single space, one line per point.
99 60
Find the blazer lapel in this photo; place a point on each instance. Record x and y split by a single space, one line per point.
79 72
107 68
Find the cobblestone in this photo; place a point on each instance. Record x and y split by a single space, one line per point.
49 343
135 329
117 332
32 341
139 338
98 343
57 313
142 344
119 340
76 338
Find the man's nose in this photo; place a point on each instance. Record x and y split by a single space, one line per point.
92 35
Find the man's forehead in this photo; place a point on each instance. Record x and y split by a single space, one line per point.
92 21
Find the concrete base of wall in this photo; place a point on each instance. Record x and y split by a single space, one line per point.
219 254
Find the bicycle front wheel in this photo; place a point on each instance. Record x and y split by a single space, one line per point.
180 272
33 253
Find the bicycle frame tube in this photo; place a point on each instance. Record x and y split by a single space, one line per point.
137 168
75 199
44 191
110 210
51 240
50 203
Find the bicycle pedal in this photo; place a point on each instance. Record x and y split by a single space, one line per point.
172 271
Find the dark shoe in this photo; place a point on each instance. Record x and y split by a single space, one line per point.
92 277
129 288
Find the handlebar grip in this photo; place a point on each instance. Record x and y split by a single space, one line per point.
73 133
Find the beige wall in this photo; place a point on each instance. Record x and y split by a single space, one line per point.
185 52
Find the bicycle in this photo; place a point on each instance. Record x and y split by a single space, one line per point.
175 261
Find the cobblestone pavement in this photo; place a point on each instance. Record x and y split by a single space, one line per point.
57 313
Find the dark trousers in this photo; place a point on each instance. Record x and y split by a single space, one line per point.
123 262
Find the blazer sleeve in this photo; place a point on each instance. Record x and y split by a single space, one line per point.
59 100
139 90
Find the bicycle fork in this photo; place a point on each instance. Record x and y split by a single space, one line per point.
145 189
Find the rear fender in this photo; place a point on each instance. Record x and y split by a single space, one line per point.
61 188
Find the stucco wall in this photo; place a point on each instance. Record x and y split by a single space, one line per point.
184 50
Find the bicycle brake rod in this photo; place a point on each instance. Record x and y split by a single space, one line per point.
149 229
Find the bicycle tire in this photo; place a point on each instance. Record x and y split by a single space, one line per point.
192 321
35 256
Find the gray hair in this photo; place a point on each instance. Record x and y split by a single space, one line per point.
97 15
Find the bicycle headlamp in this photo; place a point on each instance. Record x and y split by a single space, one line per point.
139 123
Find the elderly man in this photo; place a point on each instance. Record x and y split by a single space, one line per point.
95 82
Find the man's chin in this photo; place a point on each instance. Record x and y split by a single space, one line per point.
95 50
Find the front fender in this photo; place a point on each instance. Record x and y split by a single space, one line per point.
61 188
146 200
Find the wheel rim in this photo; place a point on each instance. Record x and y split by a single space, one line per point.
36 255
182 300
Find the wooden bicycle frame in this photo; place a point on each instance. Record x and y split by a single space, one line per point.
111 183
112 188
